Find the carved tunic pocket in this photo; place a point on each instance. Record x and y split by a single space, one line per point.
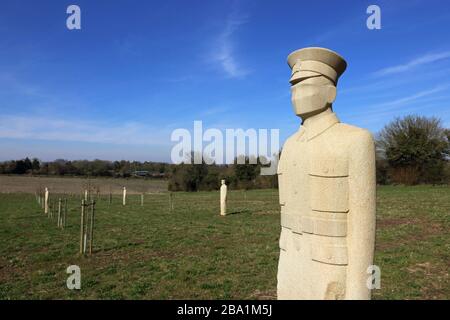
329 184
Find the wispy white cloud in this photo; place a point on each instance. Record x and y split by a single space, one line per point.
224 46
384 86
390 108
425 59
423 106
411 98
42 128
11 84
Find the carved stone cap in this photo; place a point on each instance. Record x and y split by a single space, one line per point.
314 61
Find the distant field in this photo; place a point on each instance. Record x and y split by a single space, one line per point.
191 252
77 185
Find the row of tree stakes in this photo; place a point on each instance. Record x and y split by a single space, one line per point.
59 209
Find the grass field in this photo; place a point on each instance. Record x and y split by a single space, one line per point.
191 252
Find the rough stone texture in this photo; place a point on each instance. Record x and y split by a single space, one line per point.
327 189
223 198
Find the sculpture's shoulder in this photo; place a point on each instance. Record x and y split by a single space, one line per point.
290 141
353 135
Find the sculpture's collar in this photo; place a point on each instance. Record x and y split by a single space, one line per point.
318 124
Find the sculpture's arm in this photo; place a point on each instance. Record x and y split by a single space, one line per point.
361 216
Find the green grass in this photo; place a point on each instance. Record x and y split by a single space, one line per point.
191 252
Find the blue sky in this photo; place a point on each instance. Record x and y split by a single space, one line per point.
137 70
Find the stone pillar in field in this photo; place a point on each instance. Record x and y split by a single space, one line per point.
223 198
85 195
46 201
326 177
124 199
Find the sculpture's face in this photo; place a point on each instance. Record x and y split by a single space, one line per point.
312 94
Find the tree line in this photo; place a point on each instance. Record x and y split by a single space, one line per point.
239 175
182 177
94 168
410 150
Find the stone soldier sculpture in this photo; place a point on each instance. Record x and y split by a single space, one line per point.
223 198
46 201
326 178
124 196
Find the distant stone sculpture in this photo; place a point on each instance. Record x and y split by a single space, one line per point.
85 195
46 201
124 199
326 177
223 198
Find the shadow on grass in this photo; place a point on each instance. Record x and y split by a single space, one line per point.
244 211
